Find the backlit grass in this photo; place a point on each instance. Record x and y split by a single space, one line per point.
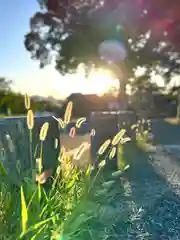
61 206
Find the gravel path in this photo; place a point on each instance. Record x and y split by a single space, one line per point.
167 166
146 203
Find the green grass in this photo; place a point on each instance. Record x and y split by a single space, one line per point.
70 204
62 209
142 130
30 212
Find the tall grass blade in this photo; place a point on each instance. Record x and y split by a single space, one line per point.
24 213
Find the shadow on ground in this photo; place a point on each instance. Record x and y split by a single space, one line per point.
141 205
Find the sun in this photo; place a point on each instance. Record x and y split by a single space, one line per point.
101 81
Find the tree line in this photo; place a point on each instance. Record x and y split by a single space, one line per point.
13 103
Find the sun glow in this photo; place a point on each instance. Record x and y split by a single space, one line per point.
48 82
101 81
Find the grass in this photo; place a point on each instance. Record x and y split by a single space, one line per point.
62 206
74 203
83 203
142 129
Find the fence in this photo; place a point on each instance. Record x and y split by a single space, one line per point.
15 145
107 125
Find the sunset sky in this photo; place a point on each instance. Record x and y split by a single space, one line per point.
16 64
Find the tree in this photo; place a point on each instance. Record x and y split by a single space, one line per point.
5 85
71 31
175 92
143 94
5 88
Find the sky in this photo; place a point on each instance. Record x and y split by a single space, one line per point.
16 64
15 61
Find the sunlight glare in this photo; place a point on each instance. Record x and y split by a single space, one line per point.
101 81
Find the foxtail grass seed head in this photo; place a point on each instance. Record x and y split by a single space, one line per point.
72 132
68 156
27 102
43 131
58 170
104 147
62 154
30 119
118 137
81 149
88 170
125 140
80 121
126 167
102 164
60 121
68 112
112 153
133 126
39 164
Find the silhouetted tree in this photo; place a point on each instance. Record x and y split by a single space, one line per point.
71 31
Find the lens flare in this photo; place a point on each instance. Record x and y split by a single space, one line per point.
112 51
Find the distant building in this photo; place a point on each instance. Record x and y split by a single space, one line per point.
113 105
83 105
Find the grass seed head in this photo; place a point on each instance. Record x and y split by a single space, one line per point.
27 102
30 119
43 131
